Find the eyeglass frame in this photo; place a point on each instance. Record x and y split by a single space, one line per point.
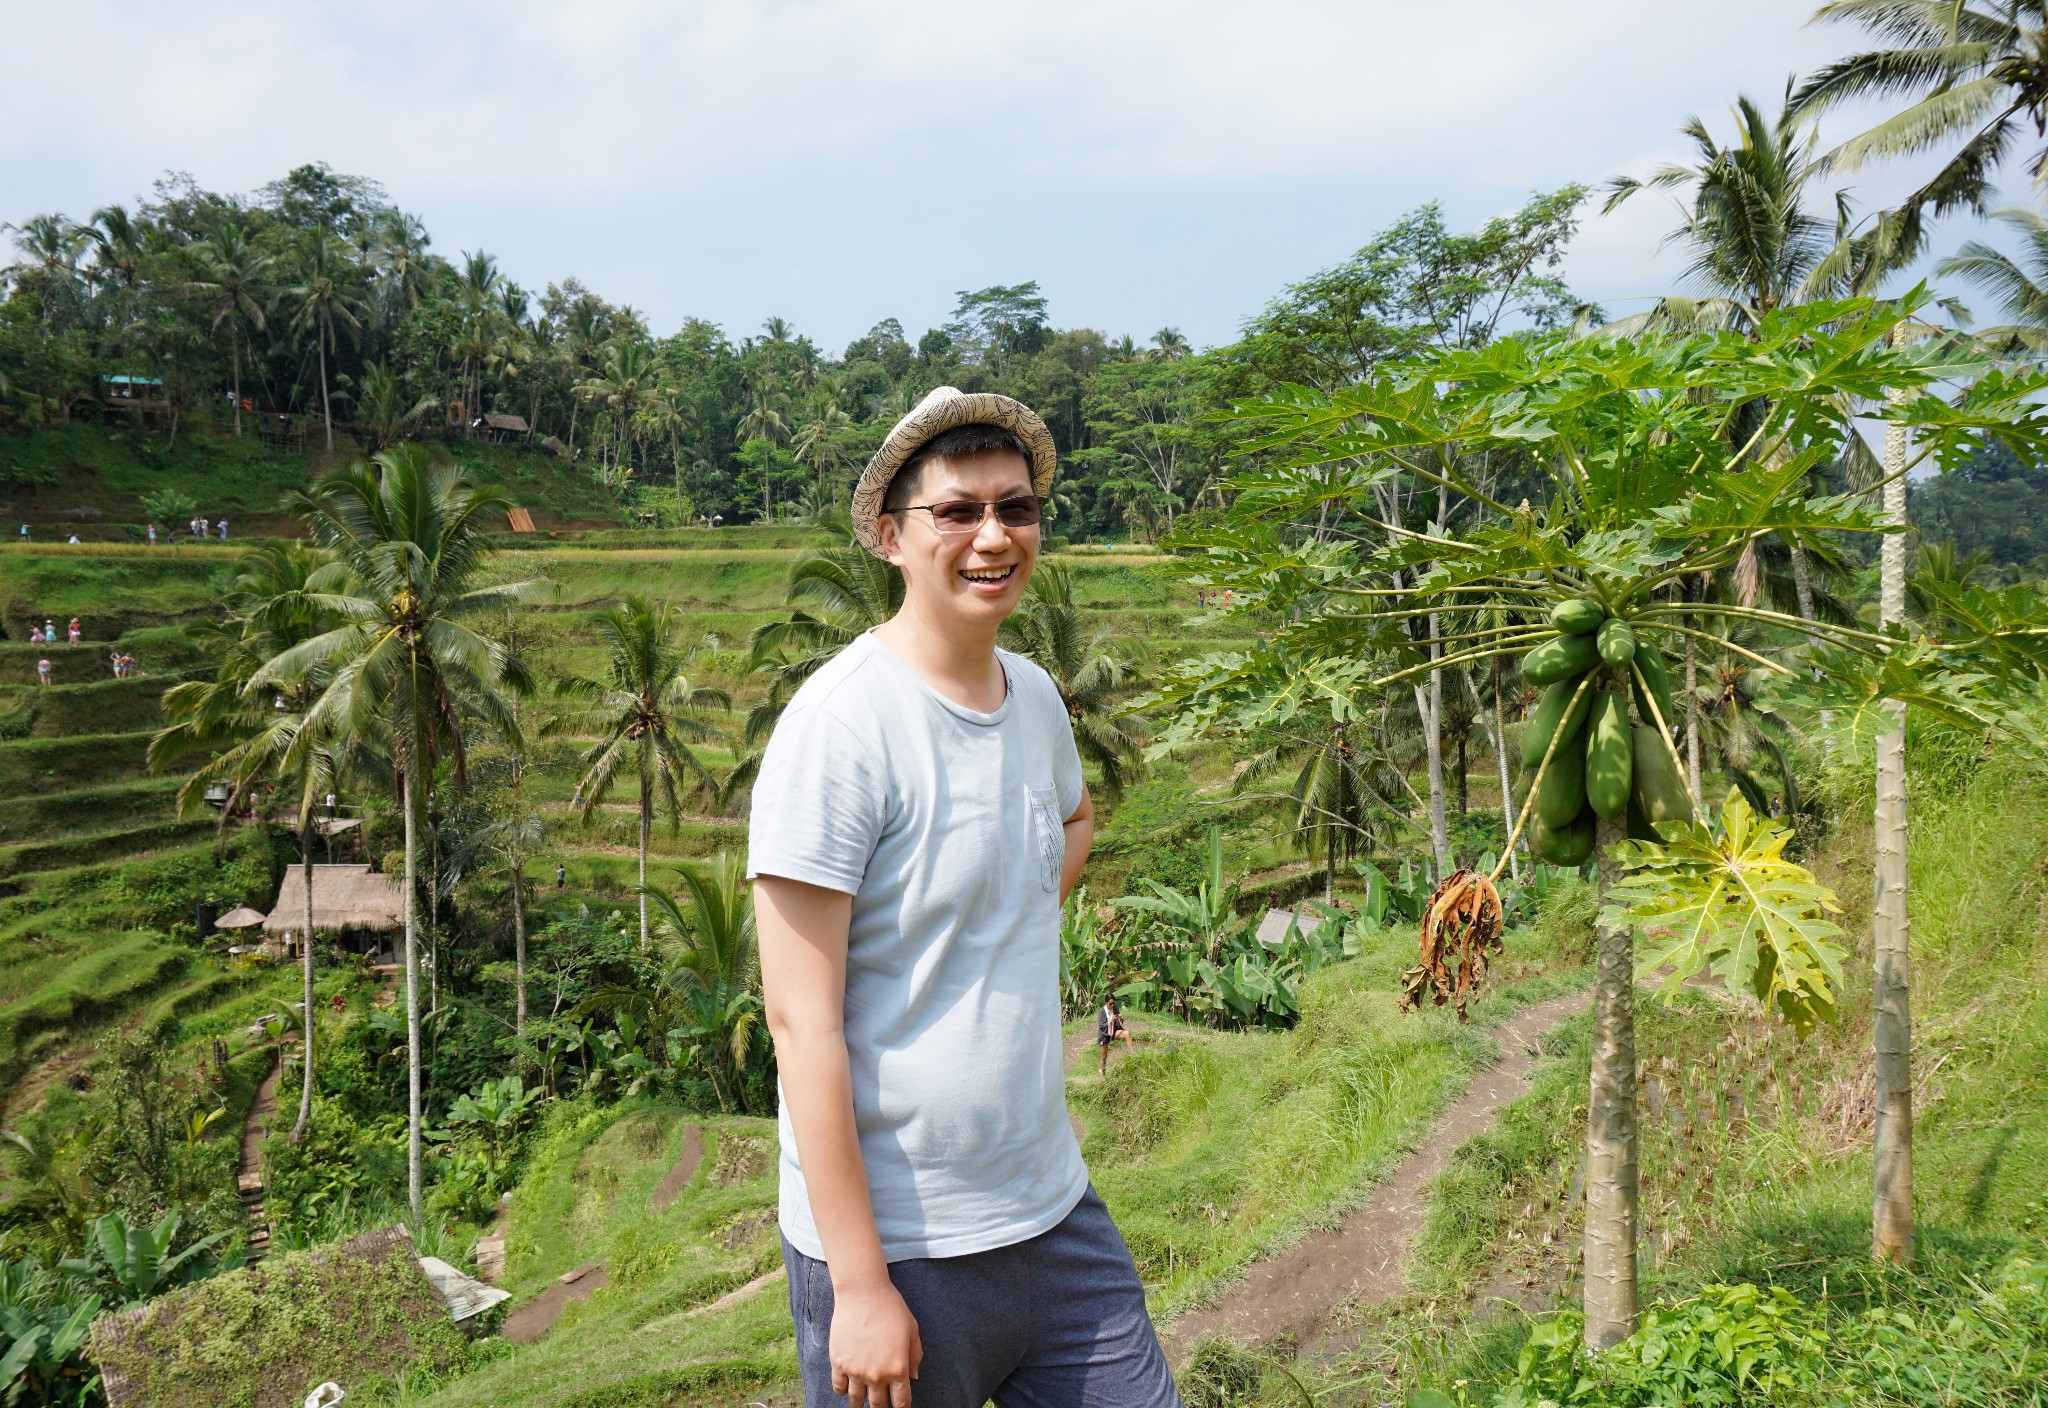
985 505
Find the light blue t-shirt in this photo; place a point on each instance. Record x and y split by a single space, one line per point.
946 825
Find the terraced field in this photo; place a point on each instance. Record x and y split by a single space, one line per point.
99 875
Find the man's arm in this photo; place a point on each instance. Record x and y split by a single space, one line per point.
802 933
1080 829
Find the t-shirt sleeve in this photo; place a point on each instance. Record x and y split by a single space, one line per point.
819 804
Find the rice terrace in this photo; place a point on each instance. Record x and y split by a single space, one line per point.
1565 911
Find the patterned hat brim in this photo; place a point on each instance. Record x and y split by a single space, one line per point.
942 410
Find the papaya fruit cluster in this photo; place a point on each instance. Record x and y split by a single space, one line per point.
1602 766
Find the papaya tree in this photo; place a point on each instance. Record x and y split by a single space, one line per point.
1634 486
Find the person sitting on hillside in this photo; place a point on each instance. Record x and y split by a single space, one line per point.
1109 1025
919 816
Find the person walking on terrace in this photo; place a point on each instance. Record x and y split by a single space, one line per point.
1109 1025
919 817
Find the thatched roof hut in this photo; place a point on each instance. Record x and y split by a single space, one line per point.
344 897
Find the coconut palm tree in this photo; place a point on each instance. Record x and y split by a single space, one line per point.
321 299
407 657
814 442
645 714
1093 670
234 281
53 246
1169 345
629 383
384 413
1339 774
2020 284
1972 75
401 258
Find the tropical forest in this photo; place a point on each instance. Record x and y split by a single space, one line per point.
1571 787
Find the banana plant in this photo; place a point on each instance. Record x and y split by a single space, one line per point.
130 1263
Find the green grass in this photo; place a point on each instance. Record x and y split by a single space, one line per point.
1212 1148
1755 1158
586 1196
98 983
65 764
50 816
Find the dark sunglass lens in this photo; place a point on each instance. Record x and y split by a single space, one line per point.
959 517
1018 513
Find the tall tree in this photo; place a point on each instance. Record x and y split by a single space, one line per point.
234 280
407 657
1093 671
1971 75
645 715
321 299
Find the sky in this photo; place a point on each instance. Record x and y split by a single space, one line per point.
835 162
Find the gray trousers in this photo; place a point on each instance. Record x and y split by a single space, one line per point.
1055 1322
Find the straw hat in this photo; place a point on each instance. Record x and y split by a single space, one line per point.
945 409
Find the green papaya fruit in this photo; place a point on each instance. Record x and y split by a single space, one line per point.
1608 760
1617 642
1562 792
1568 845
1639 828
1559 658
1549 717
1658 790
1650 661
1580 616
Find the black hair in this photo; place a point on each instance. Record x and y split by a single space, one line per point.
959 443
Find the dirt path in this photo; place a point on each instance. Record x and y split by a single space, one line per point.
249 1178
678 1178
535 1318
1286 1297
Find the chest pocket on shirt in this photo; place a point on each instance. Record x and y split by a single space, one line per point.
1048 836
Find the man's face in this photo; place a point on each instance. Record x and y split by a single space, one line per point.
973 578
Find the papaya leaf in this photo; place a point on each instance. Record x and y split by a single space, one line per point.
1725 899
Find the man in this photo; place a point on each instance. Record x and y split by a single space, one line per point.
919 817
1109 1025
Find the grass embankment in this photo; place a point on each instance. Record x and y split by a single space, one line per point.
650 1336
1755 1150
90 480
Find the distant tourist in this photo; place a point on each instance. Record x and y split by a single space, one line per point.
50 629
43 671
72 632
114 659
204 527
24 532
223 526
192 525
73 539
35 634
152 535
561 876
1109 1025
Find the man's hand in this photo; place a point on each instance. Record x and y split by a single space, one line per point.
874 1346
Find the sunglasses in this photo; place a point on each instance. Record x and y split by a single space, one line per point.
967 515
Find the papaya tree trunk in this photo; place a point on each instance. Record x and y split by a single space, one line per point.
1611 1188
1892 1025
1692 701
1430 700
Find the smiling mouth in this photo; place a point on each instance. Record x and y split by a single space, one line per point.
988 574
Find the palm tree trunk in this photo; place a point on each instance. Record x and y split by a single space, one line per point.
235 361
412 997
1433 740
326 411
1611 1186
305 980
1892 1034
1500 755
646 823
519 946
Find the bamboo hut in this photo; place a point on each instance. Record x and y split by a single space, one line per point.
351 902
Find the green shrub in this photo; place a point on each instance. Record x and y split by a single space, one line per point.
1566 917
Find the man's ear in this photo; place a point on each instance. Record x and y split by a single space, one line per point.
888 537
